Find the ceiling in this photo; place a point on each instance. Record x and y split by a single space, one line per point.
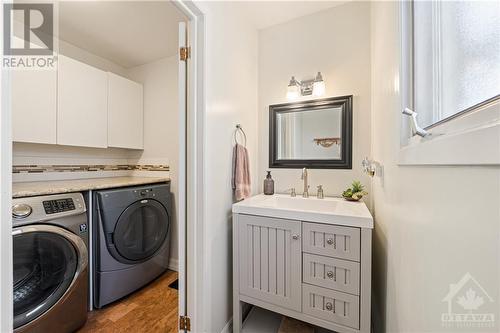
265 13
133 33
129 33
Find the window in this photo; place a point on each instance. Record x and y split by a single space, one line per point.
456 57
451 77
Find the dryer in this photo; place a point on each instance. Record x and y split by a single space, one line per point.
50 263
132 239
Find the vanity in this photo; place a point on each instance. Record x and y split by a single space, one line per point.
305 258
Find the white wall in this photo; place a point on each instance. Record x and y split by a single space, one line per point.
161 125
337 43
432 224
231 98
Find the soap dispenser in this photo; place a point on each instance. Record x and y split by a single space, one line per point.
268 184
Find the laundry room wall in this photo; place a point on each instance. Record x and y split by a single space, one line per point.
161 125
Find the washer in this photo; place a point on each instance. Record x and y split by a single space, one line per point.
50 263
132 239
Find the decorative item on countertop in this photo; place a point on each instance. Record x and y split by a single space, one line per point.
241 168
268 184
355 193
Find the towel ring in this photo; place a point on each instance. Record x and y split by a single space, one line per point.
240 130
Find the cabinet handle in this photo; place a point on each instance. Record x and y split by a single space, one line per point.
329 274
329 306
295 237
329 241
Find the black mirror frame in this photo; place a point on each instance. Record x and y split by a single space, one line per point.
344 102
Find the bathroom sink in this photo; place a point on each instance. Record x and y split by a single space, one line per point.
328 210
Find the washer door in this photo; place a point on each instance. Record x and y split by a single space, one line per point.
47 260
140 231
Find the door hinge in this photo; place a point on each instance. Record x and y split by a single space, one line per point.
185 53
185 323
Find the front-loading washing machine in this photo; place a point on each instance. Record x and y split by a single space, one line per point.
50 238
131 237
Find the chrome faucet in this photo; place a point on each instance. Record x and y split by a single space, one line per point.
305 194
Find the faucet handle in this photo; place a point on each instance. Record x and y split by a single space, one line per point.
320 194
292 192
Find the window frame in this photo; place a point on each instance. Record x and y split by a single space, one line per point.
469 137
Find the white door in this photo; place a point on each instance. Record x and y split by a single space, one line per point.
82 114
181 201
125 113
33 94
34 106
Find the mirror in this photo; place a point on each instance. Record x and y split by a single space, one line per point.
311 134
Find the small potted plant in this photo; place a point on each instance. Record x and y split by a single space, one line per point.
355 193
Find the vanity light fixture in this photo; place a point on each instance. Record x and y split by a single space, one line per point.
293 90
319 85
315 87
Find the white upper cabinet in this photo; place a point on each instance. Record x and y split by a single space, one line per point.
82 104
34 105
125 113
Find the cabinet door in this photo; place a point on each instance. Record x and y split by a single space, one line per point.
34 105
270 260
125 113
82 104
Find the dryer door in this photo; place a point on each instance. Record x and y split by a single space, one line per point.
140 231
47 259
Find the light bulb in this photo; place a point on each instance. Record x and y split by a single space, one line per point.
319 88
319 85
293 90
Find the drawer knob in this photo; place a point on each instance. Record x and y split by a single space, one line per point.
329 241
295 237
329 306
329 274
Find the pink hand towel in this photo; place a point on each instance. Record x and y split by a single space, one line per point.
241 173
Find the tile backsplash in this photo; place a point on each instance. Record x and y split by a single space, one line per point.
16 169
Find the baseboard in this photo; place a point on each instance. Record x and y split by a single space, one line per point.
229 327
173 265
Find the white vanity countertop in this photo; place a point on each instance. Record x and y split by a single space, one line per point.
328 210
28 189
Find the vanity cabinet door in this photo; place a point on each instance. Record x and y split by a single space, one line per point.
270 260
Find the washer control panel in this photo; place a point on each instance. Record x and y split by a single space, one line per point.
58 206
47 207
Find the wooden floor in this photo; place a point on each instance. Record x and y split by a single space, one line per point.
151 309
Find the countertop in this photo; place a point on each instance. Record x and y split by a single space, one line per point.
28 189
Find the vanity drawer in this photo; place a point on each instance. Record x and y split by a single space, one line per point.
332 273
334 306
331 240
